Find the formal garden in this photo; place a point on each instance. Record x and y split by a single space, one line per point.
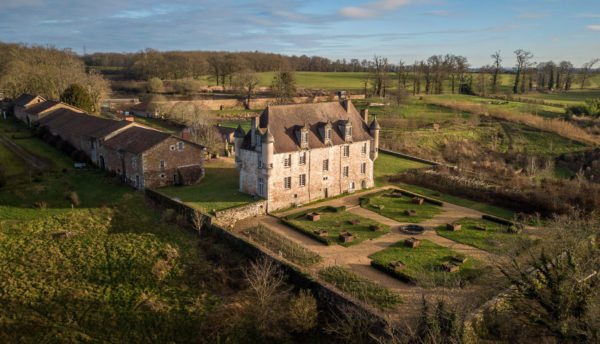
493 236
331 225
427 264
402 206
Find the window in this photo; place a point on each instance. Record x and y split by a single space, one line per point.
172 147
261 186
305 136
287 161
162 164
162 175
363 149
180 146
363 168
133 162
328 134
326 165
302 181
287 182
351 185
302 160
92 144
346 151
260 162
346 169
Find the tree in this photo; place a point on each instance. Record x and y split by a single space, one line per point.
585 70
496 68
245 83
284 87
155 85
78 96
523 58
381 75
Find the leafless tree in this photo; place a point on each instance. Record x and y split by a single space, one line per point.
586 69
496 69
245 82
523 63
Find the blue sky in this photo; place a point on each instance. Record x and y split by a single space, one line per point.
398 29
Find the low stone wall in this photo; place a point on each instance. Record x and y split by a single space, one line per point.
409 157
193 216
232 215
257 103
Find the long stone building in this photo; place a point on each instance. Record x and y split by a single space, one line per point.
143 157
295 154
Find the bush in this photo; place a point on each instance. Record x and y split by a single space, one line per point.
303 312
78 96
73 197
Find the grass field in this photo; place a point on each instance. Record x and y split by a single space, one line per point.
218 190
494 239
335 221
572 97
387 164
393 205
360 287
424 264
159 124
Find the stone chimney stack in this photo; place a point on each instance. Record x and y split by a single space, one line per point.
346 104
364 113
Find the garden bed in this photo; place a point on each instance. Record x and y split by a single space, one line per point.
425 264
335 221
401 206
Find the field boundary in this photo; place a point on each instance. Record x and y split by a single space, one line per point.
410 157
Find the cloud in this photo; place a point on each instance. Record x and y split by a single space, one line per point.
441 13
532 15
593 27
589 15
373 9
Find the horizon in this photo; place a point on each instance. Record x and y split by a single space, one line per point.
405 30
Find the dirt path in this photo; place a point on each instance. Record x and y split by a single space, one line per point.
33 161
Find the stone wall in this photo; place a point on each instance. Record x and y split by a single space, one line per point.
409 157
230 216
168 151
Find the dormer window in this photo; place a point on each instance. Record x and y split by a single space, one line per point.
328 134
347 130
303 136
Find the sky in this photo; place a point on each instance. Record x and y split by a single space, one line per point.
406 30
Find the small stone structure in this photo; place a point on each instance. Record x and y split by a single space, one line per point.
412 242
398 265
460 259
313 216
354 222
321 232
449 267
410 212
375 228
346 237
453 227
232 215
418 200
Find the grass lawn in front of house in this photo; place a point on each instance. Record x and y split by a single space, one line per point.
495 238
389 165
392 204
424 264
218 190
335 221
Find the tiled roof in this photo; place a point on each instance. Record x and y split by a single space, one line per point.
282 121
78 124
136 139
25 99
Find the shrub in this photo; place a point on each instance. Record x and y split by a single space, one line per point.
78 96
41 205
73 197
303 312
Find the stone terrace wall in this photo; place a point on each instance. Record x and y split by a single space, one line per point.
232 215
409 157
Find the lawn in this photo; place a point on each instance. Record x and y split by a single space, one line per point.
424 264
572 97
218 190
360 287
10 164
393 204
335 221
159 124
281 245
387 164
494 239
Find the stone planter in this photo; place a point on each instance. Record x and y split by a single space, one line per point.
375 228
346 237
459 259
313 216
354 222
398 265
412 242
449 267
410 212
321 233
418 200
453 227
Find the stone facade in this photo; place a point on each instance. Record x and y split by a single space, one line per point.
287 176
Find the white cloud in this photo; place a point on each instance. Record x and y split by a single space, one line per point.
372 9
593 27
589 15
440 13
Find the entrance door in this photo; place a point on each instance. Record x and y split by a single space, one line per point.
102 162
326 193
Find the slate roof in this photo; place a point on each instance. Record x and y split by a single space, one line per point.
25 98
78 124
41 107
282 121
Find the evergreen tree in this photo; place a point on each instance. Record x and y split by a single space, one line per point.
78 96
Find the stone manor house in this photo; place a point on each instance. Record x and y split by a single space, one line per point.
296 154
143 157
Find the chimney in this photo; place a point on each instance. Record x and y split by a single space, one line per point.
364 113
346 104
253 131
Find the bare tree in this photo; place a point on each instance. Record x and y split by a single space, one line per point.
523 62
496 69
284 86
585 71
245 82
